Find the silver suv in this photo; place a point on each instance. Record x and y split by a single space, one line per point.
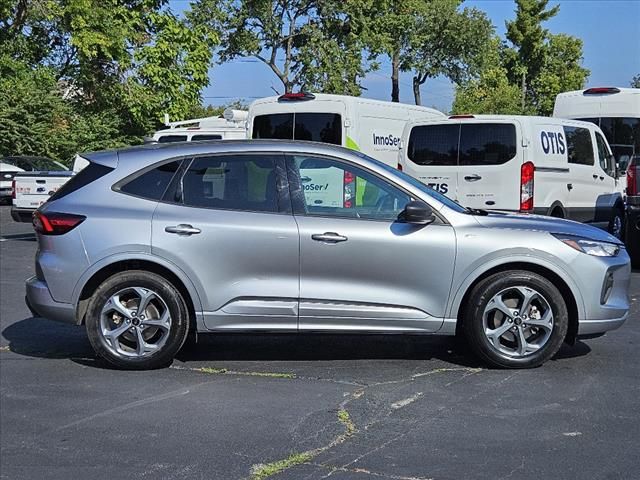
149 243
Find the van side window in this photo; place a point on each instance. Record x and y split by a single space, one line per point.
232 182
606 158
487 143
579 145
434 145
172 138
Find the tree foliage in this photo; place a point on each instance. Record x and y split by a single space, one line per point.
635 81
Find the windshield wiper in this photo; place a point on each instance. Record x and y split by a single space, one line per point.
477 211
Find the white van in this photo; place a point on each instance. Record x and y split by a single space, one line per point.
548 166
231 126
615 110
372 127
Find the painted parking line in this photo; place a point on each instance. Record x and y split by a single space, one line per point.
18 236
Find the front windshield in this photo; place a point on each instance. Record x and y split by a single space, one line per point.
418 184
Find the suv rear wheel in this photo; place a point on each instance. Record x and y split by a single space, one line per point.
137 320
516 319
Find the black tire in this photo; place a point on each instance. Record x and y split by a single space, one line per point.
617 216
484 292
177 332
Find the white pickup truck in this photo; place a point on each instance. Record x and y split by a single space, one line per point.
31 187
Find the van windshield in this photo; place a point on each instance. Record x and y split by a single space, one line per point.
315 127
417 183
623 135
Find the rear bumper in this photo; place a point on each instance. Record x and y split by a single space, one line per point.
22 214
41 303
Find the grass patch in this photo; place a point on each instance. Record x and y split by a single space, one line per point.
345 419
224 371
210 370
262 471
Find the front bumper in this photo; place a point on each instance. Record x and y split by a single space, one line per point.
40 302
22 214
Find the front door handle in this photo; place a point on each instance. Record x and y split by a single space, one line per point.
569 186
329 237
182 229
473 178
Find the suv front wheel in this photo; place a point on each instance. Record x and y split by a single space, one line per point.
137 320
516 319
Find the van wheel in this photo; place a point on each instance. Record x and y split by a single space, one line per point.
137 320
616 224
516 319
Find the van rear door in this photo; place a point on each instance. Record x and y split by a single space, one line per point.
489 163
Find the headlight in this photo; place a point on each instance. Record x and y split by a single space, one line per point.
590 247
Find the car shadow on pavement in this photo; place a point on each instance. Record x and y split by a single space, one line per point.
38 337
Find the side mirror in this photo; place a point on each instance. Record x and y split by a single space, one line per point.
417 213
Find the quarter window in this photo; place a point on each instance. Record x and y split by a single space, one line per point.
232 182
151 184
579 145
337 189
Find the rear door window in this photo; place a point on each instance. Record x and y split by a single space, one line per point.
277 126
232 182
434 145
316 127
487 143
579 145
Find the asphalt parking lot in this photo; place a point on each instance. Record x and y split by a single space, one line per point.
311 406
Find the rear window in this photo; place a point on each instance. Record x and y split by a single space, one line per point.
89 174
579 145
197 138
434 145
487 143
151 184
172 138
316 127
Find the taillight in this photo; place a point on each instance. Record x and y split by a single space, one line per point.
13 189
349 185
632 180
526 187
55 223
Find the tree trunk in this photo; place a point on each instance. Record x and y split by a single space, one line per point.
395 76
524 92
416 90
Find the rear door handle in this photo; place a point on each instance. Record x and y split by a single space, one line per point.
595 176
472 178
182 229
329 237
569 186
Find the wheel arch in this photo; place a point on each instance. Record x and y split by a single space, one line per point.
569 292
557 205
91 279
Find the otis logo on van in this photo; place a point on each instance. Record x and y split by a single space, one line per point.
386 140
552 142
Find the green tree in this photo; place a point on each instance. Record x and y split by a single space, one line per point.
635 81
491 92
542 64
445 41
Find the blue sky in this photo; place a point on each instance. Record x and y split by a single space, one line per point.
610 30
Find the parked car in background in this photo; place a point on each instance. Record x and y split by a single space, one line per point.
12 165
147 243
632 221
548 166
615 110
231 126
39 178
